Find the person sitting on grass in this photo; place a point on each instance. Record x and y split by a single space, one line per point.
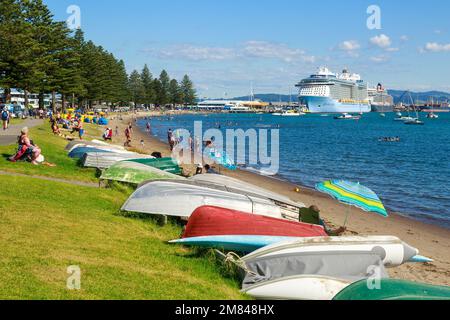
27 149
54 125
311 215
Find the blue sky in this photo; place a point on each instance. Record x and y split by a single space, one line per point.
225 46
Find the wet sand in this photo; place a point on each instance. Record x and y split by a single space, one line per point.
432 241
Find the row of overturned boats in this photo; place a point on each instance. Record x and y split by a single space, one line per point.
258 231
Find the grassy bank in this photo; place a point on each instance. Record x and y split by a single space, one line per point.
47 226
53 149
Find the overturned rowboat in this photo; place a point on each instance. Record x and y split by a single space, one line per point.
217 221
135 173
392 250
182 198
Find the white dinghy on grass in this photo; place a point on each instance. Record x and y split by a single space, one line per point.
232 183
180 199
391 250
106 160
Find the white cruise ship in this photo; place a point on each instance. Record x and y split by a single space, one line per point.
327 92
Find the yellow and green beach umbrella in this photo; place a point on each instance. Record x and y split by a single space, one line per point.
354 194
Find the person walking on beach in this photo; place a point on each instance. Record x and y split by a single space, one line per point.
5 118
128 133
148 126
171 139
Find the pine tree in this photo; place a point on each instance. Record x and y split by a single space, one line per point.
188 91
164 87
175 94
136 88
147 82
39 54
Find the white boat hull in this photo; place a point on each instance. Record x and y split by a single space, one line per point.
307 287
392 250
180 200
230 182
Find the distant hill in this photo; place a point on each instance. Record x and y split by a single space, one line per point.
397 94
420 96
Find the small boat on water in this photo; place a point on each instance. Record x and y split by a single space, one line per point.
405 119
346 116
135 173
182 198
292 113
391 289
432 115
416 122
215 221
392 250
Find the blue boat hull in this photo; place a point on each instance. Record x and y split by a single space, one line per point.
244 244
328 105
78 153
248 244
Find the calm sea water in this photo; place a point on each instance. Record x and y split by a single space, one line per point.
411 177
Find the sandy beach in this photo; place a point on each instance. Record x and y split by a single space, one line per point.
432 241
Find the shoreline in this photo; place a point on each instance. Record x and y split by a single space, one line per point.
432 241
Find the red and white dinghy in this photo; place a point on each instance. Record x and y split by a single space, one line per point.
215 221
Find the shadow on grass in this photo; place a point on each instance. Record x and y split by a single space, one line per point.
6 156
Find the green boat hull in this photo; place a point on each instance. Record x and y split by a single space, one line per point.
394 290
164 164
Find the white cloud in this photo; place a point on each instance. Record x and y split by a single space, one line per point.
404 38
392 49
249 49
382 41
436 47
379 59
190 52
269 50
349 45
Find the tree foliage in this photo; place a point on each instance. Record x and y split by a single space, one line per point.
41 55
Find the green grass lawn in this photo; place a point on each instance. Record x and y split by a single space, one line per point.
47 226
55 225
53 149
